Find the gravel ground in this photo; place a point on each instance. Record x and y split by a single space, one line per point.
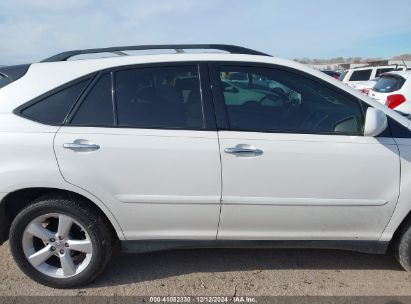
228 272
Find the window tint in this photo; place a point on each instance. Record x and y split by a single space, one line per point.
97 107
276 100
164 97
388 84
54 109
361 75
3 81
381 71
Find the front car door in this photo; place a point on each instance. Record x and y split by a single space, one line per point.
142 139
295 163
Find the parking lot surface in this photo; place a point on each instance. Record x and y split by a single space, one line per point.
230 272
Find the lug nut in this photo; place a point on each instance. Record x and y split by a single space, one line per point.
53 248
66 244
61 238
52 240
62 251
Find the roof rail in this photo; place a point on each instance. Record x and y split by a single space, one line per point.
178 47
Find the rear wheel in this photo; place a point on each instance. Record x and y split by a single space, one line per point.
402 247
60 242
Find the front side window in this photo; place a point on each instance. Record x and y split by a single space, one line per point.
159 97
274 100
54 108
361 75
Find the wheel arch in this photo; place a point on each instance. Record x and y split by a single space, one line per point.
15 201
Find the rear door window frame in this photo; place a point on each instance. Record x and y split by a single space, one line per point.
205 93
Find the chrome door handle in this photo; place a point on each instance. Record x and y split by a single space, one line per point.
81 146
243 149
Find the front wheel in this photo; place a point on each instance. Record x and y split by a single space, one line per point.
60 242
402 246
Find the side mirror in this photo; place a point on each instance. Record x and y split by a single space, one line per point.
375 122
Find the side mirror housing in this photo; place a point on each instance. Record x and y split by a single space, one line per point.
375 122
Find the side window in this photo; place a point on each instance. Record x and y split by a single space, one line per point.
97 108
272 100
54 108
159 97
361 75
381 71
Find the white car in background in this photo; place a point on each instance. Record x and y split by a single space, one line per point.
357 76
365 86
394 90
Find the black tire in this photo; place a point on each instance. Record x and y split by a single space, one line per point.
402 246
100 235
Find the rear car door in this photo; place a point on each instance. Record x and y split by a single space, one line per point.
143 140
296 165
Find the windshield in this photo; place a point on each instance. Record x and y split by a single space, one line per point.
388 84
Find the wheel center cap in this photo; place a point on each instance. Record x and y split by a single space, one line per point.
59 245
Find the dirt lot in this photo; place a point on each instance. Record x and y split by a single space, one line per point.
228 272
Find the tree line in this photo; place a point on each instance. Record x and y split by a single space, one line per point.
306 60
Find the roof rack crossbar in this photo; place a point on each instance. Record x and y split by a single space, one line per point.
223 47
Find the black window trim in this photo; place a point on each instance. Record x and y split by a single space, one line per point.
221 112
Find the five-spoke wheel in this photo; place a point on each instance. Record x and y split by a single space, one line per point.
56 245
61 241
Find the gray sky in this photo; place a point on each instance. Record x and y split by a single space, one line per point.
31 30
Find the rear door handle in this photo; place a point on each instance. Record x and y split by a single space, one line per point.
81 145
243 150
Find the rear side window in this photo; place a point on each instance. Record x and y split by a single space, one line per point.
388 84
54 108
361 75
159 97
97 107
381 71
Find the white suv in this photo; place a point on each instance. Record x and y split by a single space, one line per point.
166 151
357 76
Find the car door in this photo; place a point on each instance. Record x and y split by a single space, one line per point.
142 140
295 163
